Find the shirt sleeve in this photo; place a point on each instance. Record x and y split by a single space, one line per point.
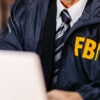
90 91
11 38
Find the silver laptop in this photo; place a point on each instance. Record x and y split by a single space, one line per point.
21 76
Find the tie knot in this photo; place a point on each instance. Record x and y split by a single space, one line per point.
65 17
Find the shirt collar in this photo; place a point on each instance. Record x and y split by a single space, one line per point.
60 8
75 11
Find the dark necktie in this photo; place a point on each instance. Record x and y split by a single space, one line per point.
59 42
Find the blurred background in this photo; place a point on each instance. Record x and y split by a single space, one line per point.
5 6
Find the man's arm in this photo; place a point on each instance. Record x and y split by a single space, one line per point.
86 92
10 38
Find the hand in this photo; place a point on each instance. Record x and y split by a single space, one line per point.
63 95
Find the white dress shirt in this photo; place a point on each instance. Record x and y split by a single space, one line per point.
75 11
